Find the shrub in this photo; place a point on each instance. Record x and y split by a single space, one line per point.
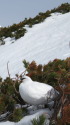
39 121
53 73
16 115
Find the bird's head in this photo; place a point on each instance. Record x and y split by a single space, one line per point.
25 78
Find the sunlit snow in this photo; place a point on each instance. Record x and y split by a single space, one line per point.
42 43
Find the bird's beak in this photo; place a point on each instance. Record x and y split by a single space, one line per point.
22 79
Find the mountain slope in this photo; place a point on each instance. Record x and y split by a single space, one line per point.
42 43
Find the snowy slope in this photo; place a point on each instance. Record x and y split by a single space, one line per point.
42 43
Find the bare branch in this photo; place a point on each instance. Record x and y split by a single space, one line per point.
22 73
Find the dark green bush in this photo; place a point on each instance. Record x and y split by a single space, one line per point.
17 115
53 73
39 121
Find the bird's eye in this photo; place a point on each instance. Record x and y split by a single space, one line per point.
22 78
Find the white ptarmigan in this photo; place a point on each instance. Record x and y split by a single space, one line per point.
36 93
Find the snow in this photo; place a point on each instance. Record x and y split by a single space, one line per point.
36 93
4 115
27 119
42 43
7 123
9 41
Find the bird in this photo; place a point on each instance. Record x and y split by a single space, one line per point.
36 93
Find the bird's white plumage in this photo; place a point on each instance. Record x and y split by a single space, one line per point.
36 93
